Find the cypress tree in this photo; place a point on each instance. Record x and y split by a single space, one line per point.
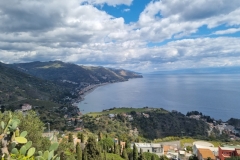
153 157
85 156
124 154
100 136
135 152
126 144
62 157
105 155
70 137
79 135
78 151
141 156
92 150
116 149
82 138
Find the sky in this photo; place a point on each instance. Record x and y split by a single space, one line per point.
139 35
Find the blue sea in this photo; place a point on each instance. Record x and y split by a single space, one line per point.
216 95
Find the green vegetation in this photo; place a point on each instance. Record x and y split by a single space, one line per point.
52 87
19 145
58 71
145 123
160 125
125 110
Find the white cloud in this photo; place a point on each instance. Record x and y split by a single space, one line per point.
109 2
228 31
163 19
72 32
126 10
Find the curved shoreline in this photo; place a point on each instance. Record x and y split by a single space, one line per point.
85 91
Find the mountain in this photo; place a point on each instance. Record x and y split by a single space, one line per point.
16 86
67 72
51 87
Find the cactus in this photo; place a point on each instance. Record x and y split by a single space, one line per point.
10 138
12 141
49 154
30 152
21 140
23 134
53 147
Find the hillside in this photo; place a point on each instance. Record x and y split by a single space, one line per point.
45 97
51 87
16 86
72 74
147 123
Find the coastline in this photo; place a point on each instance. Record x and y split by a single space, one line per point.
85 91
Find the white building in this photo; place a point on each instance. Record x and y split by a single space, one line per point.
156 148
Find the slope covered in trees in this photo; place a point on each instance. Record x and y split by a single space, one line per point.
16 86
59 71
148 123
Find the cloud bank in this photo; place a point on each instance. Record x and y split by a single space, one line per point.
168 34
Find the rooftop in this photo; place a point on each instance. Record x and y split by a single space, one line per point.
206 153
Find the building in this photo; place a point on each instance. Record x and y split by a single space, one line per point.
156 148
204 154
227 152
26 107
204 145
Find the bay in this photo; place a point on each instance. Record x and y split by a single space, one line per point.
216 95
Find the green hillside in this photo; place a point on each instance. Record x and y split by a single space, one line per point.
147 123
61 72
16 86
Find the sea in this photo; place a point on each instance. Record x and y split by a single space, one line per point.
215 95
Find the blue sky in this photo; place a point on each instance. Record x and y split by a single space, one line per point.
140 35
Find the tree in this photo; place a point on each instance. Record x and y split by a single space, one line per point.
105 155
100 136
85 155
92 150
82 138
194 157
149 156
79 151
153 158
135 152
106 143
116 148
124 154
66 149
141 156
126 144
79 135
31 123
70 137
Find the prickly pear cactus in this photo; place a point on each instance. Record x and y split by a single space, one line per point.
49 154
10 137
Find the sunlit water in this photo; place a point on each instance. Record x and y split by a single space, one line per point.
214 95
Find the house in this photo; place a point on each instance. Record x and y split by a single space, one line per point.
111 115
145 115
155 148
228 151
204 145
171 151
204 154
130 118
26 107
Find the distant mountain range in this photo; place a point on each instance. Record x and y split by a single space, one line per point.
51 87
51 81
60 71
